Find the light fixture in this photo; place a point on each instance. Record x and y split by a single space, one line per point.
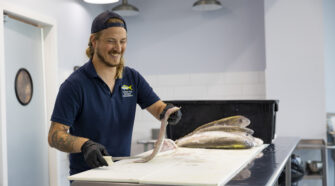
101 1
126 9
206 5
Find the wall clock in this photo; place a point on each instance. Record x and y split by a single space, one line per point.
23 86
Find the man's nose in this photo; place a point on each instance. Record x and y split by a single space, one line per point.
117 47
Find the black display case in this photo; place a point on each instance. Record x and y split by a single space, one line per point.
262 114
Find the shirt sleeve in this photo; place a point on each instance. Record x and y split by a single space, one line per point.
146 96
67 105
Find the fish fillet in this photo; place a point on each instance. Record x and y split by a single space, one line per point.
161 136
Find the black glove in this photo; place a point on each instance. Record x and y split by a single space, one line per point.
174 117
93 153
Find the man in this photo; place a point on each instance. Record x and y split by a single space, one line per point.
97 103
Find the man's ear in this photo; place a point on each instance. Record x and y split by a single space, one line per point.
93 40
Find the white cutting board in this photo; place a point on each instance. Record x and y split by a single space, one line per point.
185 166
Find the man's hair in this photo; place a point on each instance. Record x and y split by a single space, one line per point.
90 49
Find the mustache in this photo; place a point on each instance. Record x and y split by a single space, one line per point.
115 52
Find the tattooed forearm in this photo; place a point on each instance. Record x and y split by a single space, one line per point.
63 141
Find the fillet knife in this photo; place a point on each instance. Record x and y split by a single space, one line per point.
121 158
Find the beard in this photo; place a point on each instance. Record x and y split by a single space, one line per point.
105 61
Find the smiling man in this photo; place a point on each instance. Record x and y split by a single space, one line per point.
95 107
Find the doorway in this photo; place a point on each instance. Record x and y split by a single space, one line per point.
27 44
27 148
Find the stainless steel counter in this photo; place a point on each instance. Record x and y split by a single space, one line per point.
264 170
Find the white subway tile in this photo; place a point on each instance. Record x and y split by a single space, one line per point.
165 92
173 80
190 92
225 90
258 97
261 76
234 97
205 79
254 89
232 89
241 77
152 80
245 97
216 90
215 97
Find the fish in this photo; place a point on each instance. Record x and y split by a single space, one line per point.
233 129
226 133
126 87
216 140
161 136
258 142
237 121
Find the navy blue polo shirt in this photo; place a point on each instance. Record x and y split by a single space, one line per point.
85 103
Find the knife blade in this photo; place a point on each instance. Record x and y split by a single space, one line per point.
124 158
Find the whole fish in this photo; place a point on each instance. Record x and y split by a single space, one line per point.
216 140
238 121
224 128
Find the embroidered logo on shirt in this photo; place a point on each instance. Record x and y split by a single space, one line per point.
127 90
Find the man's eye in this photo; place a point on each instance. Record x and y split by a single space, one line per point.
111 41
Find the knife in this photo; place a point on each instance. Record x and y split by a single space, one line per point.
124 158
113 158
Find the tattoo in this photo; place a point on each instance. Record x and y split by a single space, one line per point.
62 140
65 128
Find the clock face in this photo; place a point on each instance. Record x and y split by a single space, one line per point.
23 86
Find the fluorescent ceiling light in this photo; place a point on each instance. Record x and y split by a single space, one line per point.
207 5
101 1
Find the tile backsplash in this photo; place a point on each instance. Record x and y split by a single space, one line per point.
204 86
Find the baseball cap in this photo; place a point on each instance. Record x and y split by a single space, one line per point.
100 22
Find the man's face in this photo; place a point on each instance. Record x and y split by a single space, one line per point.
110 46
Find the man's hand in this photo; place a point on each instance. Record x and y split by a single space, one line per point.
174 117
93 153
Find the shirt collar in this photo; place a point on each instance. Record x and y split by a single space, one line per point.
91 70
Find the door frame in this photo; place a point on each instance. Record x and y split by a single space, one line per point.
50 75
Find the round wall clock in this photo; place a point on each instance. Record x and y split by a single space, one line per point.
23 86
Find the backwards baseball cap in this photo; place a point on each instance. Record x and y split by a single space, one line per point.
100 22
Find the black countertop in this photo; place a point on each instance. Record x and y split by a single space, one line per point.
264 170
267 169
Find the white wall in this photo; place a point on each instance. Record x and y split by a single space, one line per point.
329 30
295 66
295 74
74 19
329 14
168 37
